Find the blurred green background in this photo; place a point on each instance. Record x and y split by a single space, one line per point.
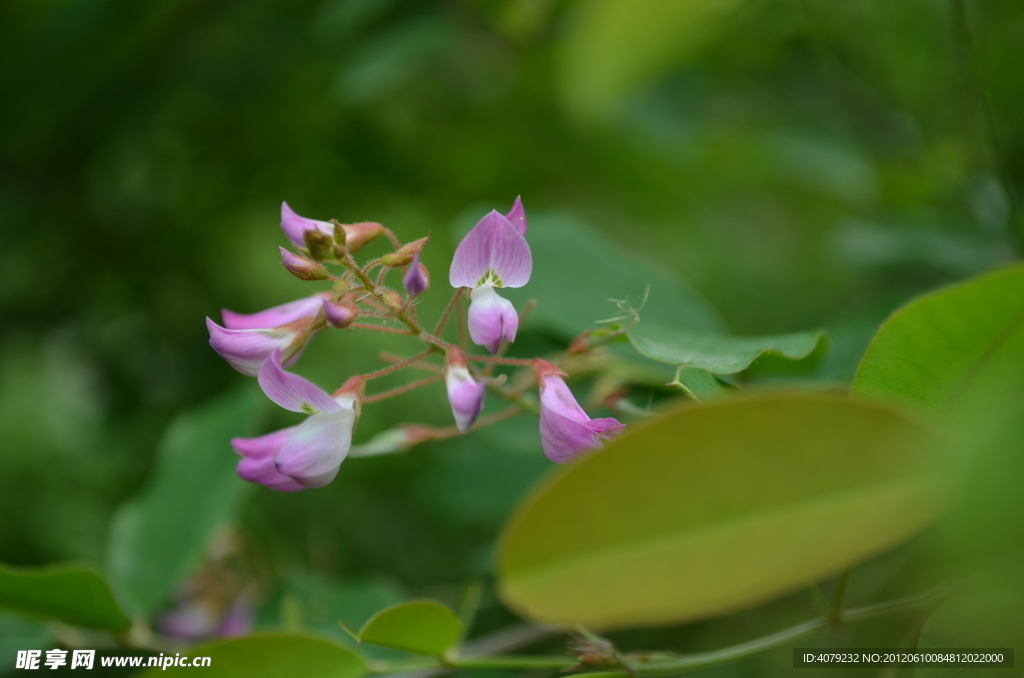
803 163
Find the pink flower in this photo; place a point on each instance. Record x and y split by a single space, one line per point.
465 394
565 429
307 455
246 341
493 254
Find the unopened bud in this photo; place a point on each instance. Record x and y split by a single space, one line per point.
340 315
393 300
417 278
358 235
404 255
302 268
319 244
339 290
340 237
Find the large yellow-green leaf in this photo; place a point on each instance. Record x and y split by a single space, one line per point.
614 47
270 655
71 593
716 508
954 348
422 626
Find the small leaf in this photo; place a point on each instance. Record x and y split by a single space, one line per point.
711 509
422 626
160 535
718 353
699 384
73 594
959 347
271 655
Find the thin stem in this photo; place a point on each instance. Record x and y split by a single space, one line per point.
448 311
499 360
463 341
397 366
405 388
391 236
380 328
840 596
427 367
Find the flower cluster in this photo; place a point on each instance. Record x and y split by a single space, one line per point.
492 256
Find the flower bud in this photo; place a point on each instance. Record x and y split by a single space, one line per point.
393 300
465 394
404 255
340 314
319 244
302 268
359 235
340 237
339 290
417 278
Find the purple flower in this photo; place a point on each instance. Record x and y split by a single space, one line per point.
356 235
465 394
416 280
246 341
307 455
198 617
565 429
492 255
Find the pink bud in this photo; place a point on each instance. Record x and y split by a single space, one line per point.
340 314
465 394
302 268
417 278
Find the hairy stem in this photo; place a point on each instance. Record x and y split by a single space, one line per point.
404 388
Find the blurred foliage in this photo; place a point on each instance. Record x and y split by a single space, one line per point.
803 163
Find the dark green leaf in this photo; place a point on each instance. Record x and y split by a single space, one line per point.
73 594
712 509
577 270
718 353
699 384
159 537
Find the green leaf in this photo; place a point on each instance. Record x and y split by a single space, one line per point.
422 626
699 384
159 537
980 620
73 594
712 509
271 655
956 348
614 48
719 353
577 270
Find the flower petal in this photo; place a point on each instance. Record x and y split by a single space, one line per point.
565 429
466 396
291 391
415 280
494 245
274 316
517 215
312 455
257 463
247 350
295 226
488 316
